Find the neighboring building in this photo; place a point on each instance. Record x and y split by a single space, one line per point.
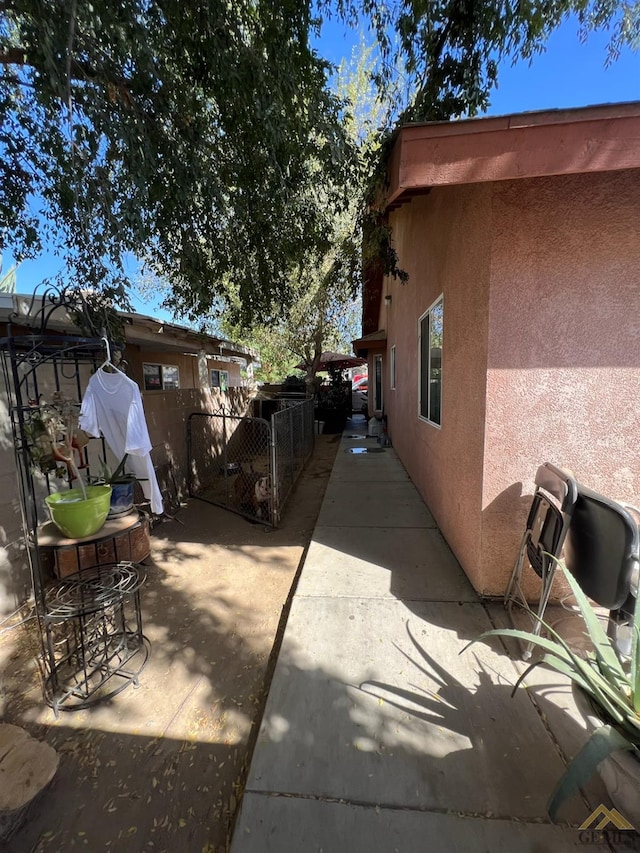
164 356
517 337
179 371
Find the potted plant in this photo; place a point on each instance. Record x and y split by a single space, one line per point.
610 687
55 437
333 404
122 484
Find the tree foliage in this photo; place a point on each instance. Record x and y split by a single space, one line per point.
201 136
180 132
324 311
318 319
446 52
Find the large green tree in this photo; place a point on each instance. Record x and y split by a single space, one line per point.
324 309
179 132
201 136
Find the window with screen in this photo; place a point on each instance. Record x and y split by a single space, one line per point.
220 379
160 377
430 336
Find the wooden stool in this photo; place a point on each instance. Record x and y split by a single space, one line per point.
26 768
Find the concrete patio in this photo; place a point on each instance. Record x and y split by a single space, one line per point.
378 734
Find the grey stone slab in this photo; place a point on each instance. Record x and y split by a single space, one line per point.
552 690
411 563
367 505
269 824
372 702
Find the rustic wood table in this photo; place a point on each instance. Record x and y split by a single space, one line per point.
123 538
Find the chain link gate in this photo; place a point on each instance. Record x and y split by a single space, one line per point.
292 430
247 464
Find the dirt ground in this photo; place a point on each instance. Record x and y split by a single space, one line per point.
161 767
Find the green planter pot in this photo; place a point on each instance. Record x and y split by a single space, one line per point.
76 517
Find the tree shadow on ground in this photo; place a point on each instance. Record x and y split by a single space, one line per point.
433 738
212 603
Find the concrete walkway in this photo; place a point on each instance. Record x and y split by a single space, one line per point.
378 735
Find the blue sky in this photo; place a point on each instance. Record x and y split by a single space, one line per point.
568 74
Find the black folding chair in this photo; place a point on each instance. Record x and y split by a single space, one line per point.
602 552
547 524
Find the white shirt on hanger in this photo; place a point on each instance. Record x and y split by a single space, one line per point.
112 405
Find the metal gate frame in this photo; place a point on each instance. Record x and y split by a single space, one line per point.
290 440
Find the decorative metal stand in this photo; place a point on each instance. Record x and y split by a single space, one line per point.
90 623
95 635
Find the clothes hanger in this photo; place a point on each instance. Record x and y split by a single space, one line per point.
107 362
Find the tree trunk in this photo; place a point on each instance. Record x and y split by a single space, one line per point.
26 768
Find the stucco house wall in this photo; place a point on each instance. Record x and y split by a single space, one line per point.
563 373
440 239
528 226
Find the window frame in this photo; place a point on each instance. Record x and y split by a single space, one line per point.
378 384
223 383
429 314
161 369
392 368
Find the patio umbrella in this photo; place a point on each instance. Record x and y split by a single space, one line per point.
336 360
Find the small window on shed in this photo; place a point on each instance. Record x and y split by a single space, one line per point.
161 377
220 379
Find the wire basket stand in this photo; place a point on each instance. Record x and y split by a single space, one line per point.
90 624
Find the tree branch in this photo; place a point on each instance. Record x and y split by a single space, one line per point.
78 71
14 56
72 30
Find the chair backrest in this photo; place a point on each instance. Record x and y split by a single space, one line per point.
558 483
601 548
550 515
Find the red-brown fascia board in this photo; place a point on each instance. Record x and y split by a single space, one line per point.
526 145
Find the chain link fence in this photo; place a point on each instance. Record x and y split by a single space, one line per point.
292 437
246 464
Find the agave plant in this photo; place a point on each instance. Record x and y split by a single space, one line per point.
612 685
119 476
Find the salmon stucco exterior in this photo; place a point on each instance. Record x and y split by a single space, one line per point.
527 228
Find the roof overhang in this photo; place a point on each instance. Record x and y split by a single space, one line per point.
156 335
373 342
148 333
526 145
